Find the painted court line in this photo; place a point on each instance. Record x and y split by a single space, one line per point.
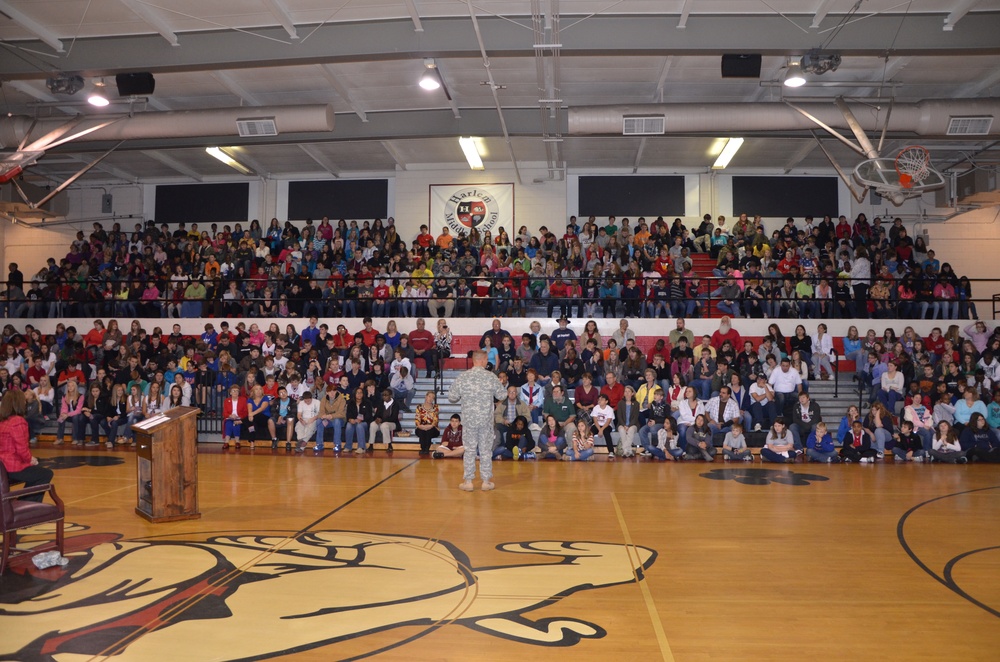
661 636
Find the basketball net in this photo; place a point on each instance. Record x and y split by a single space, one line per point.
913 164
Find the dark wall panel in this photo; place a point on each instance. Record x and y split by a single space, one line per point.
349 198
780 197
202 203
631 196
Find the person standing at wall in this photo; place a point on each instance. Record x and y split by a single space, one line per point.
477 390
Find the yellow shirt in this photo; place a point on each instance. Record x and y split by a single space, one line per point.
425 276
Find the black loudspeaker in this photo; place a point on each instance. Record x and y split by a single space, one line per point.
741 65
143 83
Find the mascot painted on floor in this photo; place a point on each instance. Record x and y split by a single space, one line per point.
257 596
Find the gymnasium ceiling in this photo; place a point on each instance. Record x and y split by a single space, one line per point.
365 58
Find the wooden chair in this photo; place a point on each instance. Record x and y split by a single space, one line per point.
16 513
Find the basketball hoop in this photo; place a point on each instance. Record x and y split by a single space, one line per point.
913 165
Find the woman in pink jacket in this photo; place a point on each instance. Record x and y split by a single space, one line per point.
71 411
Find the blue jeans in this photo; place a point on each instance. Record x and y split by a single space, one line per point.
731 309
584 454
762 414
78 428
767 455
703 387
338 432
889 399
820 456
662 455
359 429
647 435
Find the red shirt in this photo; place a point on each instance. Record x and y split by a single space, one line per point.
14 451
558 290
368 336
421 340
615 393
732 336
36 372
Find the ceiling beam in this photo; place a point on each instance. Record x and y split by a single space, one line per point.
449 95
977 88
895 65
342 90
313 152
824 8
394 153
32 26
230 84
280 13
411 6
959 11
685 12
32 91
444 38
638 155
800 155
173 164
105 167
668 62
152 19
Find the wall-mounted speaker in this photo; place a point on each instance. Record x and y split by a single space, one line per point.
135 84
741 65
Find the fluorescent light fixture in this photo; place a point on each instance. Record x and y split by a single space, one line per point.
431 80
471 153
793 75
97 97
226 158
728 152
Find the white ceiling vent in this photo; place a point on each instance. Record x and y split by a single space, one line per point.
969 126
654 125
257 126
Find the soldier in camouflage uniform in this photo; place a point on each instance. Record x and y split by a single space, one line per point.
477 390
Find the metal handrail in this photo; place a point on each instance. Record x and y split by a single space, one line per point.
516 304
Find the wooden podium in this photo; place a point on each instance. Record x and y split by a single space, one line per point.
167 465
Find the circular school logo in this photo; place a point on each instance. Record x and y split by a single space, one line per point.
471 212
471 208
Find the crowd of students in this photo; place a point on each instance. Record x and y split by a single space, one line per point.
936 397
816 269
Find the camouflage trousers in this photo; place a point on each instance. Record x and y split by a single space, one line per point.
478 439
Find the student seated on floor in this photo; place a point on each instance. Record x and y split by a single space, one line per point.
451 440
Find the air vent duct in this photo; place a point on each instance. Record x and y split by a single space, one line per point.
654 125
969 126
257 126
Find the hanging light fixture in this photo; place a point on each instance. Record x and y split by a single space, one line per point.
98 97
471 150
431 80
728 152
223 154
794 76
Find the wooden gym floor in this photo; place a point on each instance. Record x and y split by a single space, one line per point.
311 558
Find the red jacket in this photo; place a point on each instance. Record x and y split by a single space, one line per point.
14 450
241 408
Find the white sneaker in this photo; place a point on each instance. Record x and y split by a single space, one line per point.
756 428
748 458
867 460
918 458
